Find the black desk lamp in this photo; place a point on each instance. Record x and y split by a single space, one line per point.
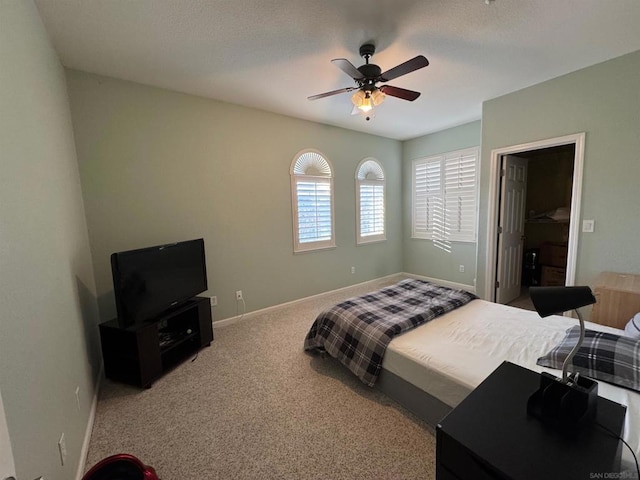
572 399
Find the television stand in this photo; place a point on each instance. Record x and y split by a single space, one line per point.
141 353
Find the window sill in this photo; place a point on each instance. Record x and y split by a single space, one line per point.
370 241
314 249
447 241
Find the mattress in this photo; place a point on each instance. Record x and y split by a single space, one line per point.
451 355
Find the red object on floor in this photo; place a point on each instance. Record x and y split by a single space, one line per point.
121 467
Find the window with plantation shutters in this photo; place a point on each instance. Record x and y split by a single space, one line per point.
370 202
445 197
312 202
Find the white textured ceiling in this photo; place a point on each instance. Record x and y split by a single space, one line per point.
273 54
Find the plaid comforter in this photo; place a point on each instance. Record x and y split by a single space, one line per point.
358 330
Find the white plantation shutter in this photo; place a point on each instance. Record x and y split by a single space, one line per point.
460 180
370 202
445 197
371 209
427 196
312 202
314 209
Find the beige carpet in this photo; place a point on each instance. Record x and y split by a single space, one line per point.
255 406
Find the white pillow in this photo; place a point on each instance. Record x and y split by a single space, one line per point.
633 327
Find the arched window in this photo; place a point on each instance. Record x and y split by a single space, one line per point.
312 202
370 202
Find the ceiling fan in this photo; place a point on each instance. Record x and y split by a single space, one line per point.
367 77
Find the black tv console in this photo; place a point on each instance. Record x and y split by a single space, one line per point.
141 353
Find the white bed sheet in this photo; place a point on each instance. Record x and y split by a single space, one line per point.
451 355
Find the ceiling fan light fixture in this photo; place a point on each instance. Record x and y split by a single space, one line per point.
365 100
378 97
359 98
367 104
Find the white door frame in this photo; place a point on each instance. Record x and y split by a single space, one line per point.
576 139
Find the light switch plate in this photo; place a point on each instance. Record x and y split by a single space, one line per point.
588 226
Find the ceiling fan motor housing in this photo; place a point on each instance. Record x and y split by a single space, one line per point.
367 50
370 72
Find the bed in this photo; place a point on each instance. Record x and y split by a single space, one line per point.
433 366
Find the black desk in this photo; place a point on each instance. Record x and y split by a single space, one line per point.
489 435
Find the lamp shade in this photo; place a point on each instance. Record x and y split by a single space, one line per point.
378 97
357 98
550 300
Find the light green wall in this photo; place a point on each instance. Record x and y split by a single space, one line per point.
159 166
421 257
603 101
48 330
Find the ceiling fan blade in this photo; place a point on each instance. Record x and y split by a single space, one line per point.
333 92
407 67
402 93
347 67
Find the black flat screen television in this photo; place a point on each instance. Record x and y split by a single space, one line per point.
149 281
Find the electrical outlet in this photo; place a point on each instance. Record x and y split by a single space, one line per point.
353 269
461 268
62 447
238 294
78 399
214 301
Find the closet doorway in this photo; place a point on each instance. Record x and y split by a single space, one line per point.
533 217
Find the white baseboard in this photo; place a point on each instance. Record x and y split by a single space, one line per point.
82 463
444 283
372 283
237 318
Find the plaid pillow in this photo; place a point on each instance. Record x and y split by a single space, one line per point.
633 327
604 356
